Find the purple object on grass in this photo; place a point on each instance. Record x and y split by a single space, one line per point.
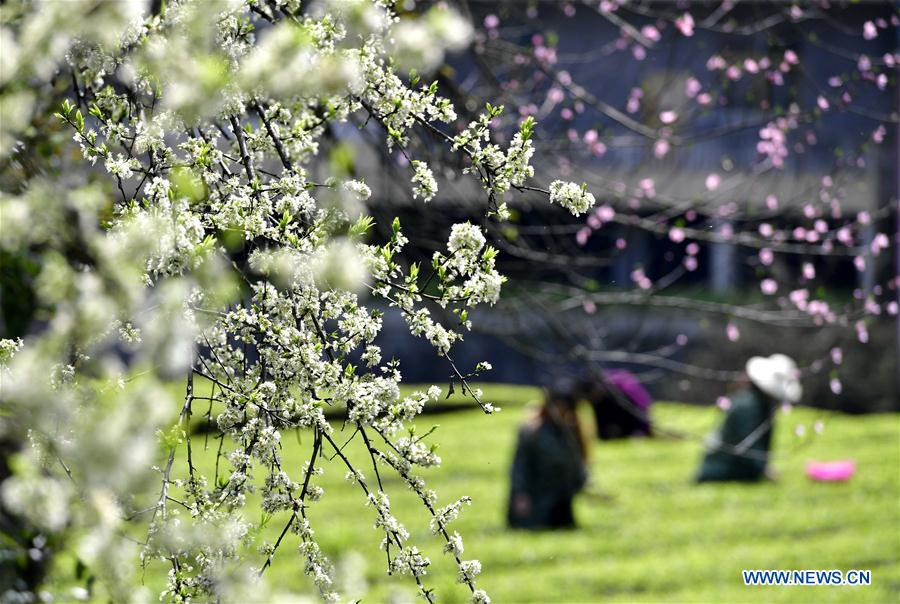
831 471
630 386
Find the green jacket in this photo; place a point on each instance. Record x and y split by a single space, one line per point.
740 449
549 470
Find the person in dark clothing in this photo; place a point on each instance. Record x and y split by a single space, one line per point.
620 403
549 467
739 451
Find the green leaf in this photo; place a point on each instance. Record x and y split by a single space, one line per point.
361 226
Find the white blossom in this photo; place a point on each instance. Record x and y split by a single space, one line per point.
425 186
571 196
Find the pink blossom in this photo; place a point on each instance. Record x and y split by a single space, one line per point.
681 339
690 263
860 263
844 236
765 229
879 242
800 430
820 226
491 21
809 271
772 202
723 403
638 52
732 332
598 149
864 63
692 248
555 95
569 10
837 355
864 217
869 31
872 307
751 66
713 181
651 33
605 213
591 136
564 77
676 234
572 134
692 87
878 134
835 81
791 57
634 100
861 332
566 114
642 281
685 24
660 148
733 73
822 102
668 117
621 244
589 307
582 236
891 307
768 286
715 63
799 298
766 256
704 98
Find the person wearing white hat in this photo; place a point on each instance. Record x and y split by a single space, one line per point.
740 449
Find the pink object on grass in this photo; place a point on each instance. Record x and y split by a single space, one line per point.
831 471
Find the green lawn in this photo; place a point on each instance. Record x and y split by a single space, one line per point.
652 535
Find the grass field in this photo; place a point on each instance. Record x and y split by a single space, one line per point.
650 536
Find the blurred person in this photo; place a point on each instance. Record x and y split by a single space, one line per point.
739 451
550 465
620 403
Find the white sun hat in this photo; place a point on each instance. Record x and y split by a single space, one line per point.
777 376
